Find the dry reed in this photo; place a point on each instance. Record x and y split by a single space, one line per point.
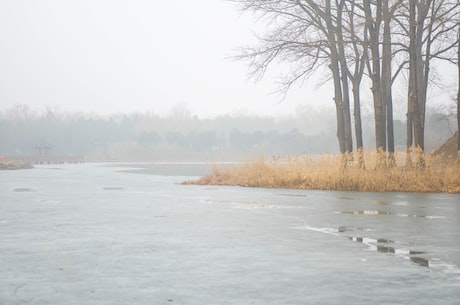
333 172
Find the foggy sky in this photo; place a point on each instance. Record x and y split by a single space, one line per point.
107 56
112 56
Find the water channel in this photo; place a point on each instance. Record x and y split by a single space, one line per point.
132 234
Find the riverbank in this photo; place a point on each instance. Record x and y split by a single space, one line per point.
14 165
326 172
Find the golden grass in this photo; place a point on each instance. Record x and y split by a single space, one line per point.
331 172
14 165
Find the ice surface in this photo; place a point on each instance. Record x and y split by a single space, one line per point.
93 234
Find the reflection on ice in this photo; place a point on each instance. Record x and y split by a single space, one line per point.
22 189
379 212
398 248
331 231
438 264
375 244
248 205
366 212
420 261
351 228
389 246
421 216
400 203
113 188
292 195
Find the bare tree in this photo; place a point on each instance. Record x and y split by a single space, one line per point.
431 26
357 35
329 20
373 22
345 36
388 13
304 33
378 16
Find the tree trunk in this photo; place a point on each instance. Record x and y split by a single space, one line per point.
379 107
346 114
458 95
386 81
390 132
338 106
358 125
357 116
412 92
360 59
421 87
417 87
409 133
343 122
344 81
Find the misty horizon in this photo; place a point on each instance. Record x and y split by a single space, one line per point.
182 136
96 57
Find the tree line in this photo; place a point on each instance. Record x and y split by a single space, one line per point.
146 136
381 42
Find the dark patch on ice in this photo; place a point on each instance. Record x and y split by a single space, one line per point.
420 216
390 246
342 229
383 245
366 212
292 195
113 188
23 189
420 261
381 212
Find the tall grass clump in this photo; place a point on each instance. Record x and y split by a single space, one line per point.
338 172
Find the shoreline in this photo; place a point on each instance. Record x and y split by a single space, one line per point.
15 165
327 173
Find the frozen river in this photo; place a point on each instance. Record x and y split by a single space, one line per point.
98 234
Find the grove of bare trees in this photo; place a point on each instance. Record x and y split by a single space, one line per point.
382 41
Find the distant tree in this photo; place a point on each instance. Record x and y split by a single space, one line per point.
149 138
175 138
244 141
203 140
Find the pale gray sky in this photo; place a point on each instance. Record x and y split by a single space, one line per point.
112 56
107 56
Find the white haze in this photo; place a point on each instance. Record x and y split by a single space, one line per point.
111 56
125 56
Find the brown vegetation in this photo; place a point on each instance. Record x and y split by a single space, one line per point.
449 148
13 165
328 172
